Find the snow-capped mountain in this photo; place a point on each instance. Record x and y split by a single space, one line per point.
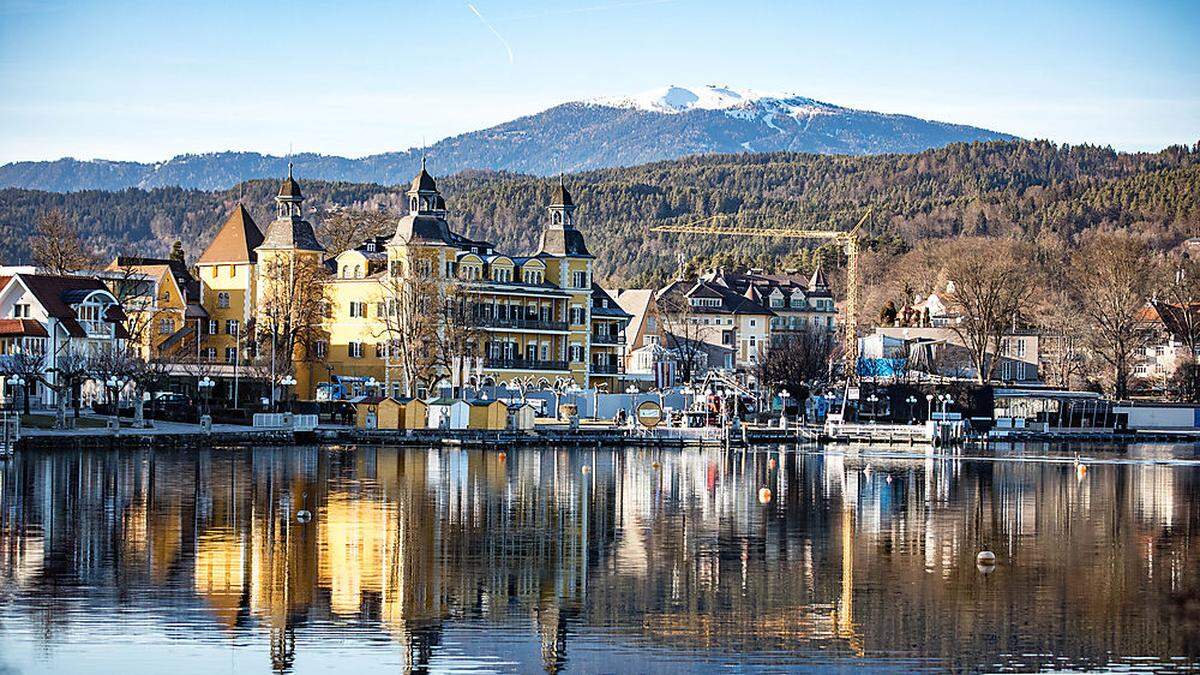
664 123
675 99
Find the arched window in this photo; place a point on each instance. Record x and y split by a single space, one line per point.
345 271
358 271
557 218
413 204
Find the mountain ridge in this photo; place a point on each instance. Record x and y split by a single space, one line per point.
569 137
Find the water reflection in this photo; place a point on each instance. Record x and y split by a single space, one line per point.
601 560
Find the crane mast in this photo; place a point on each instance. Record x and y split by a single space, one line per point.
847 238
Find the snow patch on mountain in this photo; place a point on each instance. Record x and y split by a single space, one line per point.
744 104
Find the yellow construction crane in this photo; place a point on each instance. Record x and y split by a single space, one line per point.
848 239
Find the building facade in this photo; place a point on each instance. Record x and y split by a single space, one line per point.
532 320
747 312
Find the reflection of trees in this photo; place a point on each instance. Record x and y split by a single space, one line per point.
840 562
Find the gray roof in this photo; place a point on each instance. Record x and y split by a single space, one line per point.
557 241
291 233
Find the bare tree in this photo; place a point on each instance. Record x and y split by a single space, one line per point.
459 334
71 369
796 363
683 332
1179 309
344 229
990 282
26 365
410 323
292 306
112 362
57 245
1109 287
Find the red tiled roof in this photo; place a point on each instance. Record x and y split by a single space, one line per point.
22 328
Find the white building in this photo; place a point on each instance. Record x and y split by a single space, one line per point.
51 316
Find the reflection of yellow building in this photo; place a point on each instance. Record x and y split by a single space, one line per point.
537 318
220 573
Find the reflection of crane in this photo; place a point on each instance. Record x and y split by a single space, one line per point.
849 239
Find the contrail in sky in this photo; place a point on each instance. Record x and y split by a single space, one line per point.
494 32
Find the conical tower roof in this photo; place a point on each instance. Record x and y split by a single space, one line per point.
235 241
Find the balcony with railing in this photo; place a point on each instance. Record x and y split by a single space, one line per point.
501 363
521 323
609 338
604 369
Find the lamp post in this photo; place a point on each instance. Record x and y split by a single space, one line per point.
873 399
632 391
929 401
830 397
944 398
783 399
289 381
17 382
206 385
911 401
115 384
371 384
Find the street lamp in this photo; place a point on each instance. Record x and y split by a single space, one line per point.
911 401
873 399
632 391
206 385
783 399
115 385
371 382
944 398
929 401
17 382
289 381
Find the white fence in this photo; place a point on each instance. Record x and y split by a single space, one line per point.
285 421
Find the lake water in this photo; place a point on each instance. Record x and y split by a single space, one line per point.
605 561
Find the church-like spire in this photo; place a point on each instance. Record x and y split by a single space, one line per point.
562 207
423 195
289 199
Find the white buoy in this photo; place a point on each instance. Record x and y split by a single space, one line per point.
303 515
986 559
764 495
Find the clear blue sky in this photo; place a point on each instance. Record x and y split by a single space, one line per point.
148 80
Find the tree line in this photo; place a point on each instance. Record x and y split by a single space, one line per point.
1033 190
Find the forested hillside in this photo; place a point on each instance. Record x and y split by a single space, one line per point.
1023 189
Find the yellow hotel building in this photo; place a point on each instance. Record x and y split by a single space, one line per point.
540 318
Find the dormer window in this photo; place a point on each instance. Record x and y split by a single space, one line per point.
370 247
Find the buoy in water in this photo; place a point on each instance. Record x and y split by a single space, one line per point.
1080 469
503 456
986 559
587 469
303 516
764 495
771 463
656 466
